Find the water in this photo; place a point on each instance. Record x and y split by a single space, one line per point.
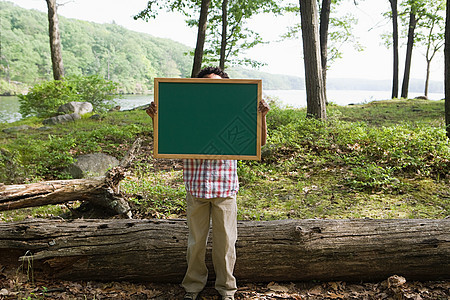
9 109
132 101
297 98
9 105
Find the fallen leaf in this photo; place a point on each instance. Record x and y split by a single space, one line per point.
317 290
4 292
277 288
396 281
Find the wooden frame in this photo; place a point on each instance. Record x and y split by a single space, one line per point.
201 118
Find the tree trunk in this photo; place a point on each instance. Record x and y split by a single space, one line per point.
394 48
447 69
55 41
49 192
409 49
98 191
427 78
323 31
223 43
284 250
201 35
315 98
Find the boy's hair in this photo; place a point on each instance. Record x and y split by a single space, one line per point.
212 70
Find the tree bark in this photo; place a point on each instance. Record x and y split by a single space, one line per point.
323 31
315 98
201 35
409 49
447 69
427 78
50 192
223 43
55 41
284 250
99 191
394 48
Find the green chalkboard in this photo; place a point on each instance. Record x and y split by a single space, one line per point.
207 118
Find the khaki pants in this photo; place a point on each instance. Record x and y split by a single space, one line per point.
223 212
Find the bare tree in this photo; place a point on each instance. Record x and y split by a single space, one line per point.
55 40
315 99
430 34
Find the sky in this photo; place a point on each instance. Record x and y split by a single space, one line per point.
281 57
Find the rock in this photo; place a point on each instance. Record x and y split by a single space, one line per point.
92 165
115 108
80 108
96 117
267 151
422 97
141 107
16 128
61 119
44 128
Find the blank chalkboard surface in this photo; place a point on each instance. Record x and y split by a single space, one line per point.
207 118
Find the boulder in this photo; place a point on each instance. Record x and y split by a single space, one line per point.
80 108
92 165
268 150
96 117
61 119
16 128
44 128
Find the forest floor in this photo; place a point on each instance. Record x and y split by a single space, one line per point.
17 285
26 285
159 196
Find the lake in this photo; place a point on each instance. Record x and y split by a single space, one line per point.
9 105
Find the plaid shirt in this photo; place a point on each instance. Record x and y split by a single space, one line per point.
207 179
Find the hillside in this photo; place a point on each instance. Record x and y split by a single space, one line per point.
133 59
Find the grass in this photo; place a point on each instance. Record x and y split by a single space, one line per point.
384 159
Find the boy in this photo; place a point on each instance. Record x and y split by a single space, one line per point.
211 188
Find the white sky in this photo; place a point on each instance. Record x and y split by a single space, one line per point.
375 62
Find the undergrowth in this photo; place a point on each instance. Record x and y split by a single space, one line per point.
385 159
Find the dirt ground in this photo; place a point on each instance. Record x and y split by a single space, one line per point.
24 285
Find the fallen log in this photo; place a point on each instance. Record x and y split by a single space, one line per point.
284 250
101 191
49 192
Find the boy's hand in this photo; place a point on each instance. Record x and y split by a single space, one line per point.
263 107
151 110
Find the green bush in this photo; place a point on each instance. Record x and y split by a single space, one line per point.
402 148
44 99
8 88
371 177
96 90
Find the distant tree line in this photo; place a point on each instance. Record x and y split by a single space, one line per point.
427 15
130 58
